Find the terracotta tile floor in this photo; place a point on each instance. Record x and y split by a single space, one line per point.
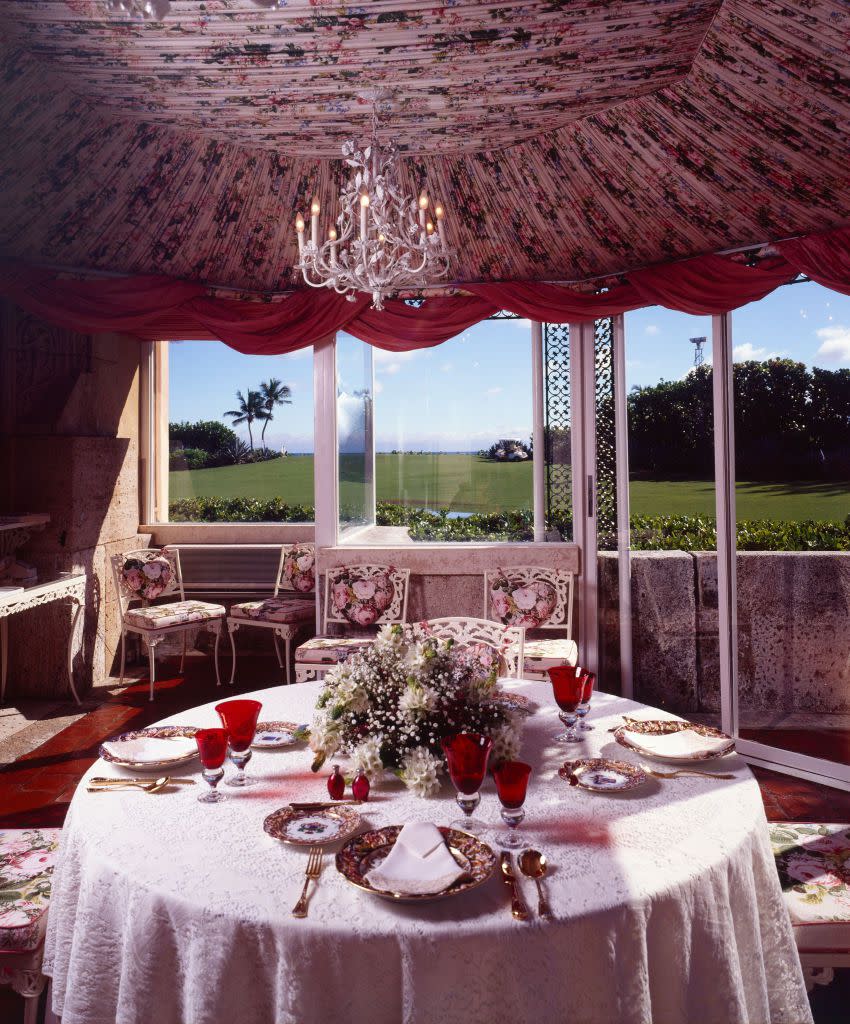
37 788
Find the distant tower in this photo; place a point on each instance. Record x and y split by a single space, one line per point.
698 343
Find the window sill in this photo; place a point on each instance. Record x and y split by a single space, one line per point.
228 533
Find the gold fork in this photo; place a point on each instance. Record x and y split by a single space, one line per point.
314 869
686 771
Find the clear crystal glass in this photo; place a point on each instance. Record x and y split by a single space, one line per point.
212 776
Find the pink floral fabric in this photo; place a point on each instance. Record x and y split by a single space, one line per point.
485 661
275 609
813 861
514 604
299 569
176 613
362 600
147 579
540 655
329 650
27 857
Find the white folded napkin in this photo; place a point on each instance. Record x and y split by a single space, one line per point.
150 749
418 864
686 743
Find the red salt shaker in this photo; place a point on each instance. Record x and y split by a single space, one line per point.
360 786
336 784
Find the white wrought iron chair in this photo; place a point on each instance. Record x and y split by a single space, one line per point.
145 575
355 595
535 597
285 615
506 641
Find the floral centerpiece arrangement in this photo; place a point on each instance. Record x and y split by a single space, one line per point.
389 706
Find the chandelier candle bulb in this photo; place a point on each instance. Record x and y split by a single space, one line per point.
364 205
299 227
332 239
315 209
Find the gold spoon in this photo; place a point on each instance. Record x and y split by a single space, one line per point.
149 787
686 771
102 780
532 863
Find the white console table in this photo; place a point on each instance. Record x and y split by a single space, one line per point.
66 587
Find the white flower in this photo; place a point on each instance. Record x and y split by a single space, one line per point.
367 755
417 700
305 562
324 735
506 743
363 589
420 770
525 597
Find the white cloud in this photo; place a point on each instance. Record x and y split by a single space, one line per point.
391 362
447 367
301 353
835 343
652 329
379 387
494 391
804 314
740 353
523 325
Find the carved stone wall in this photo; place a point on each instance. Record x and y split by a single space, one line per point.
68 447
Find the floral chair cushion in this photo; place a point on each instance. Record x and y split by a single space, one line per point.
814 869
329 650
147 579
275 609
176 613
517 604
541 655
27 857
361 600
486 661
299 569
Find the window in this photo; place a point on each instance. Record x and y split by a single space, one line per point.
239 434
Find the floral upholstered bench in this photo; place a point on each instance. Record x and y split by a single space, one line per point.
27 857
813 861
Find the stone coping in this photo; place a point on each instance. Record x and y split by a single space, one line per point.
459 559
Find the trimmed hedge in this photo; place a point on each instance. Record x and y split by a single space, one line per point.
649 533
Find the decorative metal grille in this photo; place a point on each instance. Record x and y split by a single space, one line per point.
606 438
556 423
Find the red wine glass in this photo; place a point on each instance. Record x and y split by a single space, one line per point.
239 717
568 688
466 755
584 707
511 785
212 748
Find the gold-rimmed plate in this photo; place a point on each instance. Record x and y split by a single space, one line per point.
366 851
182 754
303 827
277 735
602 775
666 727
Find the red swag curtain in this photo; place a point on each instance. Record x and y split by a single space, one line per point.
159 307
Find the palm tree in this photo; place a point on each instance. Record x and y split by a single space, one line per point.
250 409
273 392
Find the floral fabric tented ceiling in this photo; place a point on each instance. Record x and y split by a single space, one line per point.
567 140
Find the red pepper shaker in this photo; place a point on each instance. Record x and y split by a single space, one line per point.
336 784
360 786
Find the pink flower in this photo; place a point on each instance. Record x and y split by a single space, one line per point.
305 583
383 598
34 863
153 570
501 604
153 590
363 589
134 579
827 844
305 562
529 620
289 568
810 869
341 595
525 598
363 614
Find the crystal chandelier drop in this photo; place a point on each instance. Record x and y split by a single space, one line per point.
382 240
146 10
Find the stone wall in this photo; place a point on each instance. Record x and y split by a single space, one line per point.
793 630
68 447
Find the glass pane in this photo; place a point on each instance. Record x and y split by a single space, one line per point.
791 354
453 432
557 431
240 434
354 433
673 516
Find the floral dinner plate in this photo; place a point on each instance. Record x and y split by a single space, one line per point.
181 754
302 827
602 775
366 851
717 743
273 735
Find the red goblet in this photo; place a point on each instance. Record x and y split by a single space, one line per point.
568 688
466 755
212 748
584 707
239 717
511 785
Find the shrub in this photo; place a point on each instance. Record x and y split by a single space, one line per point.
208 435
189 458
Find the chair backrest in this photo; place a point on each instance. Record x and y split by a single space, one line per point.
534 597
297 569
366 595
506 641
146 574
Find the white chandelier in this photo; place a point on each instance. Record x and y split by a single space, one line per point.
156 10
382 240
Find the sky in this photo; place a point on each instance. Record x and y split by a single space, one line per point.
476 388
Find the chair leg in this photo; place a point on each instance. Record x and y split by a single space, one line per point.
231 629
288 662
31 1009
277 649
123 655
152 664
183 655
215 654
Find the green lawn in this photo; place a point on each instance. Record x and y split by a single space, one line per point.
470 484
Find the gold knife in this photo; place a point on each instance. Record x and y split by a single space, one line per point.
317 805
518 907
101 780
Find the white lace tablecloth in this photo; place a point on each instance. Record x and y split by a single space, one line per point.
667 906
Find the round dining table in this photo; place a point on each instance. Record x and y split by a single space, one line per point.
666 905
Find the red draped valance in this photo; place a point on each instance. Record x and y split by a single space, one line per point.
158 307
